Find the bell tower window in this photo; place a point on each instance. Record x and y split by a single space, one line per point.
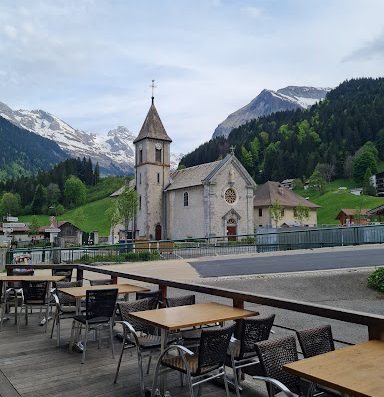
158 155
186 199
140 155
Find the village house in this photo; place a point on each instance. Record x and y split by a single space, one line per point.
351 216
269 194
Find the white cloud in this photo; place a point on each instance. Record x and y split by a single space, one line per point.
251 11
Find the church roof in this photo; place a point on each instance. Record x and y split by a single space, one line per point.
204 173
153 127
191 176
270 192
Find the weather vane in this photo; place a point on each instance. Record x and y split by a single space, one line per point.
153 89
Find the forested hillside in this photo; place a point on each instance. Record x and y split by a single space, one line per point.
291 144
23 152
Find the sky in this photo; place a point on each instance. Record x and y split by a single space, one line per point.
91 62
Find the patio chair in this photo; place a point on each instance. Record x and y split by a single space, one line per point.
61 271
276 384
99 312
243 351
208 363
273 354
65 305
193 334
314 341
35 294
150 294
138 334
106 281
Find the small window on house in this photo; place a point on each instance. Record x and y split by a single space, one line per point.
158 178
260 212
282 212
139 202
140 178
158 155
140 155
186 199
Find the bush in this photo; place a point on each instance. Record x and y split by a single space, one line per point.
376 280
123 257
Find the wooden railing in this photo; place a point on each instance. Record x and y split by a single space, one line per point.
374 322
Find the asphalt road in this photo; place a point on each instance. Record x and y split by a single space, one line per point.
289 263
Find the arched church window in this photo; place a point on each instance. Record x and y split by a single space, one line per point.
231 221
186 199
230 196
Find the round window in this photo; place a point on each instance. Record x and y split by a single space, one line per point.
230 196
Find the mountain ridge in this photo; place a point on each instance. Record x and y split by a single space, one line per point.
270 101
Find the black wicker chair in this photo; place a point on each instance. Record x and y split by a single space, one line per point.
106 281
138 334
191 335
243 351
99 312
207 364
150 294
65 305
314 341
35 294
273 354
61 271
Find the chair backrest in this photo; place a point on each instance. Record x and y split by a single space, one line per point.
213 347
100 303
106 281
60 271
35 292
314 341
149 294
254 330
180 301
126 308
273 354
65 299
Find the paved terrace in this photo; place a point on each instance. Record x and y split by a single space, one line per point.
32 365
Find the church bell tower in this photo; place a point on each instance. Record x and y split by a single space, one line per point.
152 164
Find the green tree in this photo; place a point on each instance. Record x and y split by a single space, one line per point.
75 192
317 182
361 163
34 225
297 184
53 194
39 199
380 143
301 212
276 212
326 170
96 174
10 204
124 208
368 188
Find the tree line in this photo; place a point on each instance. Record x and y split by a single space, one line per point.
293 144
49 192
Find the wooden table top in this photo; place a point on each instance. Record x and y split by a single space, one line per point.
357 370
172 318
32 278
81 292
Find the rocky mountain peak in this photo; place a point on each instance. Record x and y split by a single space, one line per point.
268 102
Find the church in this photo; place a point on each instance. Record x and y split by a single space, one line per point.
207 200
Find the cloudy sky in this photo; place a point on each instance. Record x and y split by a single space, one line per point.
91 62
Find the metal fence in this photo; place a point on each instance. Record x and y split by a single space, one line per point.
262 241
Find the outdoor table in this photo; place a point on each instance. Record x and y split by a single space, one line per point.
81 292
354 370
179 317
18 278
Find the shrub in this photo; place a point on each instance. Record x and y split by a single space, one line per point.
376 280
122 257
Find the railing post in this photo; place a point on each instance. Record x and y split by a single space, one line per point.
163 289
113 279
376 332
79 274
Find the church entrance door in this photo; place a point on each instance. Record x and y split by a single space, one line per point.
231 233
158 232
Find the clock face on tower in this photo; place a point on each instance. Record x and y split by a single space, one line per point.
158 146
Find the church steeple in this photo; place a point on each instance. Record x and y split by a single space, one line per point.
153 127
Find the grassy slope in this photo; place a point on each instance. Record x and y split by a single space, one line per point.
98 202
332 201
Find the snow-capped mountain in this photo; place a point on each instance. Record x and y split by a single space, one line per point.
114 151
268 101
